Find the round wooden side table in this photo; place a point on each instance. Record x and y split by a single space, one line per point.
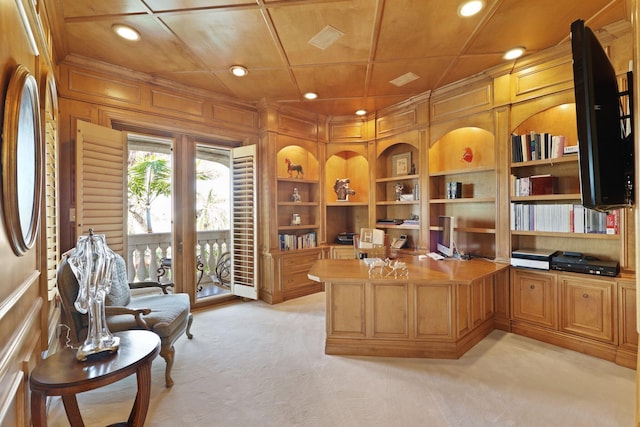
62 374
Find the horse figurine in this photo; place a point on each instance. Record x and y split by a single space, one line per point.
292 167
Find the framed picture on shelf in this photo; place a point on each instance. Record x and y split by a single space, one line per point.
401 164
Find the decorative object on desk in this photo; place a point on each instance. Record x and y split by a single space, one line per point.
92 263
292 167
454 190
342 189
379 267
295 197
401 164
397 191
295 219
21 161
467 155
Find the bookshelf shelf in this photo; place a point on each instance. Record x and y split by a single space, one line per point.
547 197
464 200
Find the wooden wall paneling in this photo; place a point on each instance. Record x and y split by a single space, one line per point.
461 99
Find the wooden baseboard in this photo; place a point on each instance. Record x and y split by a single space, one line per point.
435 349
594 348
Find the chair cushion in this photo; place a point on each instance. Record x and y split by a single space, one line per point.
119 294
168 315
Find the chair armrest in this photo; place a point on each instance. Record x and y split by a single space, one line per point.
151 284
112 310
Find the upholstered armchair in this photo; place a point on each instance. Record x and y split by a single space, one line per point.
168 315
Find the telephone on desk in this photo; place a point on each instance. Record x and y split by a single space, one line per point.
399 242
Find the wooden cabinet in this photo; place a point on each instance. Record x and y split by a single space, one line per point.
590 314
588 308
464 158
342 252
534 298
627 323
290 274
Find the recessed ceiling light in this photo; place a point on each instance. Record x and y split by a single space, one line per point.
311 95
238 70
361 112
514 53
470 8
126 32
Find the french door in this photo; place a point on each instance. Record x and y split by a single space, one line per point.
194 256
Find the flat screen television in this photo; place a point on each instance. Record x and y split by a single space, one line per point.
605 146
445 244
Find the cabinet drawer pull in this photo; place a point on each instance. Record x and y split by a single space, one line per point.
585 295
532 286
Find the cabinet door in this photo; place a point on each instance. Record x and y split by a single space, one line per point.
627 312
534 298
588 307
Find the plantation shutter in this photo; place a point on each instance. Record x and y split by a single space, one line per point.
244 230
51 208
101 162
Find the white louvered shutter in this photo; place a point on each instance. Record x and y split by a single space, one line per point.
244 232
101 162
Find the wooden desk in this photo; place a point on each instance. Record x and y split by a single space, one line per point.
62 375
442 309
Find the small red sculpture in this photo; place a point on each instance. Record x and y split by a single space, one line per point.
467 155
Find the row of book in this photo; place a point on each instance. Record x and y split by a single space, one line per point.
563 218
290 242
536 146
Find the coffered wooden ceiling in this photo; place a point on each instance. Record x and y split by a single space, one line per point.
194 42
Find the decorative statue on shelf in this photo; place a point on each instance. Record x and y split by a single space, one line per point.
92 263
341 187
292 167
467 155
295 197
397 189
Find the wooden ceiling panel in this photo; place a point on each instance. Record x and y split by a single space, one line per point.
200 79
89 8
466 66
224 38
425 28
164 5
273 84
333 81
298 24
347 105
194 42
428 70
157 51
546 24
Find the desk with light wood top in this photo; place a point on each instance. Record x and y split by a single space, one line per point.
441 310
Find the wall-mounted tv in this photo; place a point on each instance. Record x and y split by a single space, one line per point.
605 136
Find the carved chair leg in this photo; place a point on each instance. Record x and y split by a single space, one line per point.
189 322
168 357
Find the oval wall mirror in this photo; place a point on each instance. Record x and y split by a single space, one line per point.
21 161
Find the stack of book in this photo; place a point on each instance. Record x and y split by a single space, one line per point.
536 146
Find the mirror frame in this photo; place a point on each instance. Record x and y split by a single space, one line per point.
22 161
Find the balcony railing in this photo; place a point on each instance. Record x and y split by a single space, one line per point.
145 252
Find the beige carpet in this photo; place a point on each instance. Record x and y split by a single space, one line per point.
252 364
